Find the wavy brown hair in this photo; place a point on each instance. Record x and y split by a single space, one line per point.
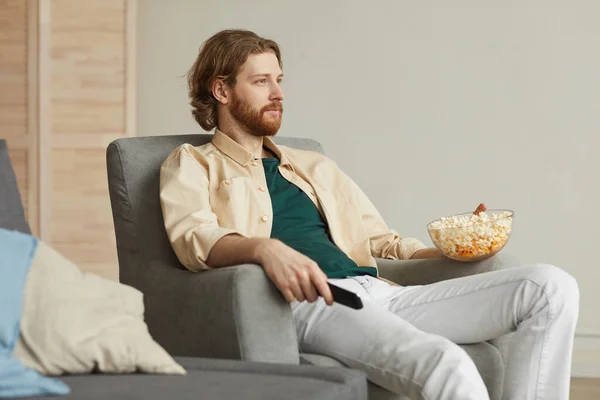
221 57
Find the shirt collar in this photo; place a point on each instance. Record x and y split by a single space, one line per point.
237 153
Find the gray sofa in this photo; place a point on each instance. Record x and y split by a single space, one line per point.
206 378
236 312
222 380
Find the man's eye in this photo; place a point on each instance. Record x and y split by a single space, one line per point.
262 81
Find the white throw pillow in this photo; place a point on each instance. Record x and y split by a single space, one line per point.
75 322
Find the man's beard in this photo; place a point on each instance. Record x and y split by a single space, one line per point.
255 121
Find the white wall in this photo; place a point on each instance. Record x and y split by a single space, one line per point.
431 106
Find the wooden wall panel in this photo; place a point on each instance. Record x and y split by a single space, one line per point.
88 67
87 110
13 68
67 85
14 33
82 227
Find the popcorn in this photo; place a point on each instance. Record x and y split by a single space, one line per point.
471 236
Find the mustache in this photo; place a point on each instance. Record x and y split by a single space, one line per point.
275 106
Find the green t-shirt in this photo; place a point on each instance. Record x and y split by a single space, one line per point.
298 223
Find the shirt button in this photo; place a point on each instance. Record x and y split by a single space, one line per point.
262 189
265 218
254 163
228 181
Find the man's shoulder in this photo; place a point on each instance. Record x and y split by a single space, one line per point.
189 150
306 157
188 154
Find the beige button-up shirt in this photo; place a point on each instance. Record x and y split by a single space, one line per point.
217 189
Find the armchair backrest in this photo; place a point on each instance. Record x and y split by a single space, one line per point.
133 178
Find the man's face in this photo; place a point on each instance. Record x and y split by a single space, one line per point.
256 98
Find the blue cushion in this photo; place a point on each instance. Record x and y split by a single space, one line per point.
17 250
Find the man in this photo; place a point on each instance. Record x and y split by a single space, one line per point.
242 199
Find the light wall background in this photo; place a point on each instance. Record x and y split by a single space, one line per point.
431 106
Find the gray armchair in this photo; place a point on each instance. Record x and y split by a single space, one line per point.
234 312
206 378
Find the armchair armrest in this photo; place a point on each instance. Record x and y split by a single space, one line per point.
234 312
423 272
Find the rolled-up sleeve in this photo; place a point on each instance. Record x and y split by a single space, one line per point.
190 223
384 242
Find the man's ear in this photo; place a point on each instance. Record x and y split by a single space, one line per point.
221 90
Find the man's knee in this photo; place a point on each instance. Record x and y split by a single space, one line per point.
446 364
560 286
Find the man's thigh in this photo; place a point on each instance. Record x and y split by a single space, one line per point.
338 330
465 310
391 351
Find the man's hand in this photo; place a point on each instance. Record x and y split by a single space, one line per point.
480 208
431 252
295 275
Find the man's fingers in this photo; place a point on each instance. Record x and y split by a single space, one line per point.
480 208
297 290
323 288
309 290
288 295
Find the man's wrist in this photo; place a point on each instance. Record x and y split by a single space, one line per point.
260 249
430 252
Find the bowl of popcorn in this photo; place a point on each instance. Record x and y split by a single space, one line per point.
472 236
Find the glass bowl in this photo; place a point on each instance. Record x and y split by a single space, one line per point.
468 237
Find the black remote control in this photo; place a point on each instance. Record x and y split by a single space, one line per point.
345 297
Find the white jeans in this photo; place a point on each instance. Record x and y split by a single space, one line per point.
405 338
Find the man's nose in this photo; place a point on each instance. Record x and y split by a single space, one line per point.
276 93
